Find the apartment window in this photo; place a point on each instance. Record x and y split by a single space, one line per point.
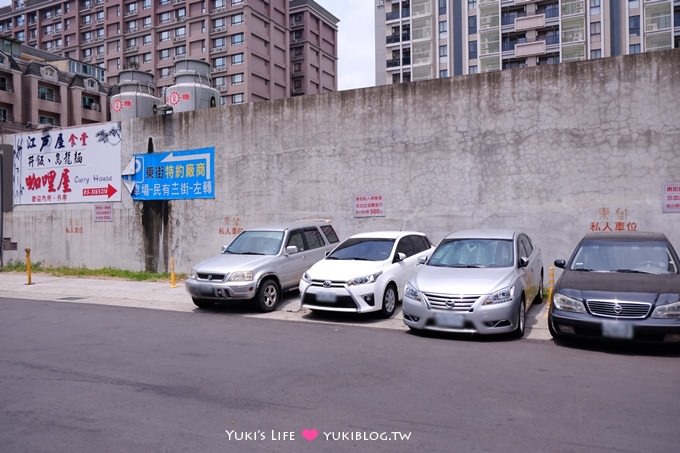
99 16
473 69
3 115
180 50
472 50
87 53
46 93
442 6
87 20
443 73
237 79
596 53
237 98
633 4
219 23
296 35
131 62
164 73
100 33
131 8
595 7
164 18
42 119
219 42
132 42
146 39
634 25
443 51
595 29
472 5
164 36
164 54
237 19
87 36
181 32
634 48
237 39
146 22
146 58
472 25
236 2
443 28
237 59
146 4
219 63
181 13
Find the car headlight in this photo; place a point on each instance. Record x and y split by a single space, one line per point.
501 297
193 274
364 279
562 302
241 276
306 278
669 311
412 293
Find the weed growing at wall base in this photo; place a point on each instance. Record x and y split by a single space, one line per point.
106 272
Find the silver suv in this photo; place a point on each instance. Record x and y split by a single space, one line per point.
260 264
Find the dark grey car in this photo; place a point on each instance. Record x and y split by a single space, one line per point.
620 285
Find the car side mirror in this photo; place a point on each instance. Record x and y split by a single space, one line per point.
523 261
400 256
422 260
224 247
291 250
560 263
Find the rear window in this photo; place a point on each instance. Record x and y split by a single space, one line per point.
330 234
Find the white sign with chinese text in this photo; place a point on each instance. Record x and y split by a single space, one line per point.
369 206
68 165
671 197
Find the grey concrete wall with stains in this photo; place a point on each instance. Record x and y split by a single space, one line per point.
555 150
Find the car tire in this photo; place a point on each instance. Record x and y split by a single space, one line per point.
553 332
203 303
539 295
267 296
389 302
521 320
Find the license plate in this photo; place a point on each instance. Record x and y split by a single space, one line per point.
617 329
326 297
455 320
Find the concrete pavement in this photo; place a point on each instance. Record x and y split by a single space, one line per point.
163 296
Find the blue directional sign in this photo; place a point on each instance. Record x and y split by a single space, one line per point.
175 175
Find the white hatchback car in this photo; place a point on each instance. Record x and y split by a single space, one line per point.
367 272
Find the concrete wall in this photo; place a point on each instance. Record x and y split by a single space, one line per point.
556 150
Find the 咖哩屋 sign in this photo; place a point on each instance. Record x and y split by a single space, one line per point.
68 165
173 175
671 197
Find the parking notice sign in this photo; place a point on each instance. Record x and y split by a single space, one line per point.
671 197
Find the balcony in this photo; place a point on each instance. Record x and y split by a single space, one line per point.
530 48
393 63
529 22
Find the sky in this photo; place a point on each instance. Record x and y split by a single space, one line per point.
356 46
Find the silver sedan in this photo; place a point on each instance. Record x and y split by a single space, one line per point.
476 281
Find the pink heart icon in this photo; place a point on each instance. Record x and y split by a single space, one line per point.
310 434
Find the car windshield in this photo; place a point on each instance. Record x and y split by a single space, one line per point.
256 243
650 257
366 249
473 253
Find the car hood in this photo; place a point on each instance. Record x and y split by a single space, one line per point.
230 262
619 285
455 280
343 269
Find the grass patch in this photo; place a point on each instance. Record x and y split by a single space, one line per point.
106 272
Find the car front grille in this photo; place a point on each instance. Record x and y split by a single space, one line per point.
450 302
619 309
328 283
210 277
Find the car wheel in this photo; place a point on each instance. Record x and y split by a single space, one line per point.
539 296
521 320
267 296
202 303
389 302
553 332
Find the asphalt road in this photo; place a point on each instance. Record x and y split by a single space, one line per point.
92 378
